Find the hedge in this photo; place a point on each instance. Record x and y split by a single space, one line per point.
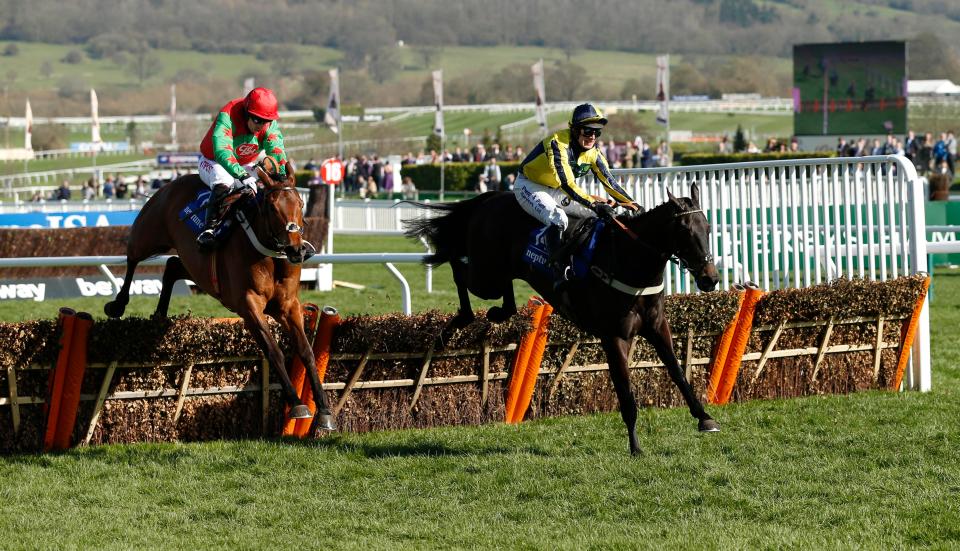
692 159
457 176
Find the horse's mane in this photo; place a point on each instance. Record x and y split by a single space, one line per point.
656 213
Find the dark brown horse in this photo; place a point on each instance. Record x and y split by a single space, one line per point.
484 240
249 279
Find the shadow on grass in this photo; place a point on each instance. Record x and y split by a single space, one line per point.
168 453
402 447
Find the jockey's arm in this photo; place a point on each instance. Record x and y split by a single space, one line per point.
609 181
223 152
558 157
272 144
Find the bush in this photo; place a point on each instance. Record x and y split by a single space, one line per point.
11 49
46 137
457 176
73 57
691 159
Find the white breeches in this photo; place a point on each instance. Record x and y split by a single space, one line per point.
548 205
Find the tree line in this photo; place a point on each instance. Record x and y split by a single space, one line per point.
362 29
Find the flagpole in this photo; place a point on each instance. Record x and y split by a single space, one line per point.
443 141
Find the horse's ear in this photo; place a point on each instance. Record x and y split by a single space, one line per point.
291 170
695 195
672 199
264 177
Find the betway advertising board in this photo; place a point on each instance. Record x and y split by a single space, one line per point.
41 289
67 219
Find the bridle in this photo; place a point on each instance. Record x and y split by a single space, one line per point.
289 227
684 266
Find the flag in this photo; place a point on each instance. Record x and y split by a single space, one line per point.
332 115
663 89
173 114
28 129
438 99
537 69
247 86
95 126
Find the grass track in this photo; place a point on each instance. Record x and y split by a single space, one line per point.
872 470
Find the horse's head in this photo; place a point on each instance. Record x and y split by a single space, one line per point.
690 234
282 215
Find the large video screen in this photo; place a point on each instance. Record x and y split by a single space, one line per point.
850 88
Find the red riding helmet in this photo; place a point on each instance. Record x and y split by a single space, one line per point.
262 103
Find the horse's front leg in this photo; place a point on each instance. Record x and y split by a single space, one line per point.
257 325
617 349
660 338
291 320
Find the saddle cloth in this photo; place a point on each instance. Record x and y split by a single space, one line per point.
580 241
195 213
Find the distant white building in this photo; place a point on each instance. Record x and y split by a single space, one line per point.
932 88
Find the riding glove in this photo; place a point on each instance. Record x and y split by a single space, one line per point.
603 210
248 182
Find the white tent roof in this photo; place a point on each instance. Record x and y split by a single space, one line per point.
932 87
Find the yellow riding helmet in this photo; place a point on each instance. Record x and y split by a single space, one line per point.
585 114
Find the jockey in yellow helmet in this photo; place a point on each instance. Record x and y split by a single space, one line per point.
546 185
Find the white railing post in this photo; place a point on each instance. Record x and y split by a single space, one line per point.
918 377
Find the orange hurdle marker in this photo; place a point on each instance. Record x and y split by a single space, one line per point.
723 348
329 319
518 371
909 334
73 379
739 344
57 376
297 372
532 369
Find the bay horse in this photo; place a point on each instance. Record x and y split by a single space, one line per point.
251 279
484 240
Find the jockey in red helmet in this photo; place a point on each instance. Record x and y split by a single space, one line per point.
546 185
243 128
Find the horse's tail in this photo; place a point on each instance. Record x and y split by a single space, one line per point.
445 228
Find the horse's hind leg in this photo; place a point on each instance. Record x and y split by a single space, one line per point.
116 307
465 315
497 314
662 342
617 350
173 272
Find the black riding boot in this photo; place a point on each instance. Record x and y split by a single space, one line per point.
206 239
557 261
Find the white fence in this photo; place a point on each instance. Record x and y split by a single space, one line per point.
778 224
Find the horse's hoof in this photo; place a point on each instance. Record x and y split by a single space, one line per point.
113 309
709 425
325 422
497 314
300 412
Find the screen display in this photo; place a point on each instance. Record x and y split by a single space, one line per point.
850 88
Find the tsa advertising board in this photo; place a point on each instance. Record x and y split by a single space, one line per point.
67 219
